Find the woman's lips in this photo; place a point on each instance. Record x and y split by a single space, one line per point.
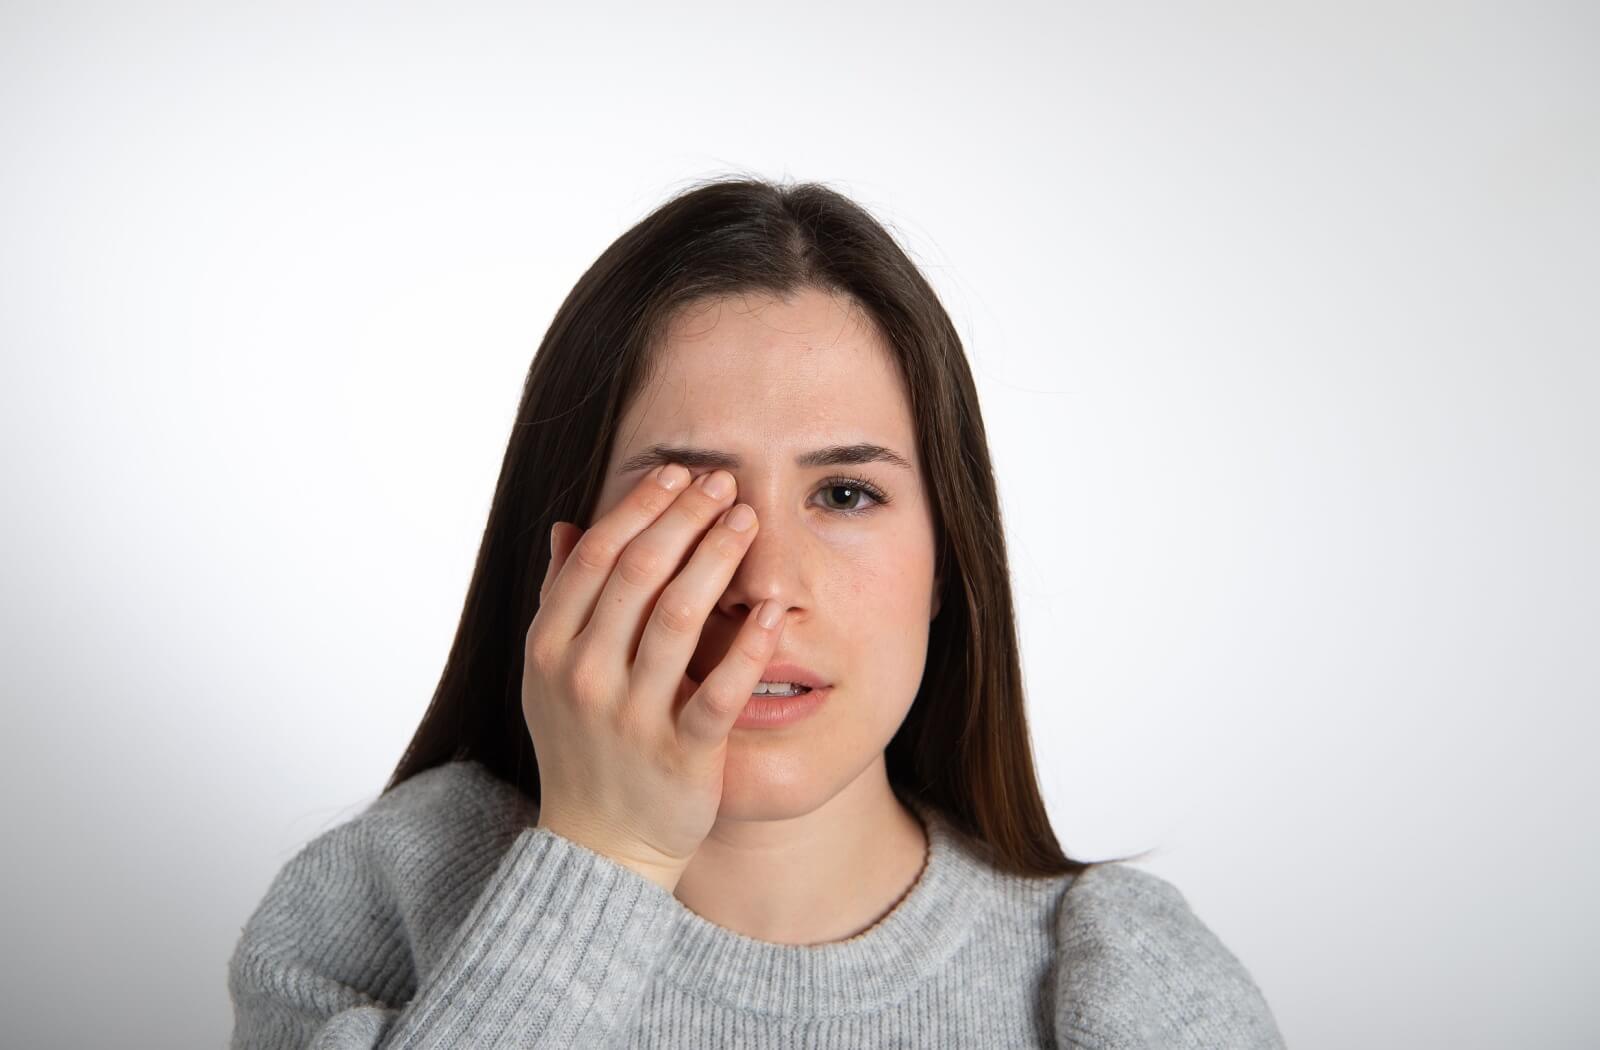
794 674
774 712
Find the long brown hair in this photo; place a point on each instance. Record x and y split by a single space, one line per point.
964 745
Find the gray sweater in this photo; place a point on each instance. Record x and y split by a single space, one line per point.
439 917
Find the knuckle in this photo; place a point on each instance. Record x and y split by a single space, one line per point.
541 646
639 566
676 614
719 700
655 499
542 652
728 544
594 551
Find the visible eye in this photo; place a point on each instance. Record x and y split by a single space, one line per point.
848 490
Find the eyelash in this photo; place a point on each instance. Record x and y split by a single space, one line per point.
879 497
860 484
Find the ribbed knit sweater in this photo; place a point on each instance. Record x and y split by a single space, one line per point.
441 917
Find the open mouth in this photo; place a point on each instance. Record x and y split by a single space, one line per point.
788 690
774 690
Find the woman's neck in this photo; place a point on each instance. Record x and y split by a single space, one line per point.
825 876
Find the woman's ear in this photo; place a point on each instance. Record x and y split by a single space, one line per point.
938 594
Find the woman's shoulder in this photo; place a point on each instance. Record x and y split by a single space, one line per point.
1118 888
445 795
1116 909
390 878
446 824
1133 952
437 812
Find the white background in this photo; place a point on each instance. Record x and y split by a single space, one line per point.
1277 313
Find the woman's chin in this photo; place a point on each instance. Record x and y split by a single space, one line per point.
747 798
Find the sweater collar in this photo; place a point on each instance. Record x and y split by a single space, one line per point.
923 930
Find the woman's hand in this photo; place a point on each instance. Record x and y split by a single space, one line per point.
630 750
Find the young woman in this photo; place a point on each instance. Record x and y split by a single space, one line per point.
730 748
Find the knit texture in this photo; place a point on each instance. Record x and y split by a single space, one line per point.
440 917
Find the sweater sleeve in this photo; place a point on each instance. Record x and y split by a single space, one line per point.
555 951
1138 970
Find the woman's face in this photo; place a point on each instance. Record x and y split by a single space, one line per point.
763 383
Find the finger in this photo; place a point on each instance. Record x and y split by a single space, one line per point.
678 617
708 717
577 583
570 535
652 562
560 547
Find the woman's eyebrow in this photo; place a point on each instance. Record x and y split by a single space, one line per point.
830 456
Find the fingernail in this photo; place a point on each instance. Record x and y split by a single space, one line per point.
741 517
769 614
672 476
717 484
553 539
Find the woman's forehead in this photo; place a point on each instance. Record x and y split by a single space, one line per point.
808 335
788 371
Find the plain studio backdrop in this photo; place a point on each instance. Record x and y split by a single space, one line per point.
1283 322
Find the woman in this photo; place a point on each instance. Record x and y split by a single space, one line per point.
604 833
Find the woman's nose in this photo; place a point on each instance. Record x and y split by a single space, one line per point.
772 567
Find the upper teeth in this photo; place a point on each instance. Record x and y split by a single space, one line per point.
776 687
